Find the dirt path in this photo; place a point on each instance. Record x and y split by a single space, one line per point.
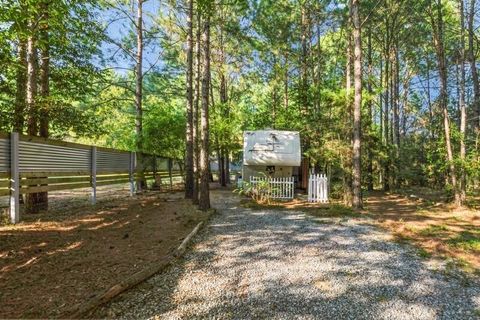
49 262
276 264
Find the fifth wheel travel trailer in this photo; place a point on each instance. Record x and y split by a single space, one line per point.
271 153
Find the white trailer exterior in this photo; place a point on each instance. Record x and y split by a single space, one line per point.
271 152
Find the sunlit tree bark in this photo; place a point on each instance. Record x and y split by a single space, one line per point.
189 125
204 196
357 105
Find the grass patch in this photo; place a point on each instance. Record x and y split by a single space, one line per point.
323 211
402 238
434 226
332 211
424 253
381 298
433 230
456 219
323 221
459 263
466 240
411 229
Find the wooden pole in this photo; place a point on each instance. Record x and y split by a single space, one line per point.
93 175
170 164
155 186
131 170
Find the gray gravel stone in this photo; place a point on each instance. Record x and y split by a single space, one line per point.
274 264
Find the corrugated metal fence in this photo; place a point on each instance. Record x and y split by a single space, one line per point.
32 164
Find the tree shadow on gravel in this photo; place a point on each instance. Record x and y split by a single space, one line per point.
250 264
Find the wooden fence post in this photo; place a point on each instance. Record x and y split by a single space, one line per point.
154 172
170 165
131 170
93 174
154 168
14 179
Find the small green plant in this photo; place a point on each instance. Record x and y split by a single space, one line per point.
4 217
424 253
260 191
467 241
411 228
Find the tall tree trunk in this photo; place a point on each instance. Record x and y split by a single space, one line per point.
227 166
189 129
396 113
21 81
204 197
404 104
380 116
31 199
396 105
216 139
274 104
285 83
357 105
386 97
318 76
221 167
386 178
476 85
196 157
32 79
473 64
442 71
347 163
224 111
44 74
303 59
140 179
380 100
348 70
370 115
429 101
44 86
463 111
392 100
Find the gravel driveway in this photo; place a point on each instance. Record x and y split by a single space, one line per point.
273 264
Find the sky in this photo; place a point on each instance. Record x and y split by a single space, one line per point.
120 26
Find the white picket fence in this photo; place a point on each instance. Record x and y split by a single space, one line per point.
317 188
278 188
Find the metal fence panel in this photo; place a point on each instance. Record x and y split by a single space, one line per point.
162 164
45 157
176 166
148 162
4 154
113 161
